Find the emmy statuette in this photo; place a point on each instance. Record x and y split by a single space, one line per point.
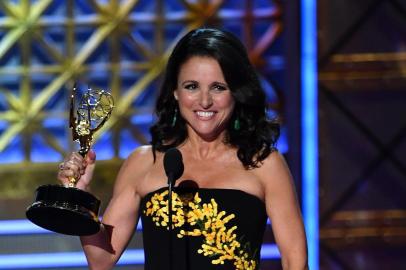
69 210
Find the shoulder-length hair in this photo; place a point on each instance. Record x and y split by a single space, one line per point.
256 136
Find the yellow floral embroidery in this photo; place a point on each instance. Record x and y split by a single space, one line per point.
157 207
220 241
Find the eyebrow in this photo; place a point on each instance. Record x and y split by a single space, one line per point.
213 83
188 81
219 83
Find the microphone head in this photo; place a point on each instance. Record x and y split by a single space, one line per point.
173 165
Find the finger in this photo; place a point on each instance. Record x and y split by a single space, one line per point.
75 157
62 178
66 174
73 168
73 165
91 156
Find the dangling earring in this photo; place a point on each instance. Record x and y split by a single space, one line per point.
174 117
237 125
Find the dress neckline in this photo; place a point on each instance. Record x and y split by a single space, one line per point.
205 189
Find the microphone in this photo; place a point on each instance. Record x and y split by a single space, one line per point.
173 165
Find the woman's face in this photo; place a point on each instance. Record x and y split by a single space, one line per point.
204 98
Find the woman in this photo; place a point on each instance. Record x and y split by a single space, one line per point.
211 108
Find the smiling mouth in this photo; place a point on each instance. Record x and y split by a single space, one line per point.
205 114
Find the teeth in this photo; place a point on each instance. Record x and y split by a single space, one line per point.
205 114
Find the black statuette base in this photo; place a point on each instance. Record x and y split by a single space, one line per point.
65 210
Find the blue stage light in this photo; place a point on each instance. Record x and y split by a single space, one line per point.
78 259
75 259
270 252
24 226
309 128
62 259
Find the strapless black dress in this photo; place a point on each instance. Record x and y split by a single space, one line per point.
218 229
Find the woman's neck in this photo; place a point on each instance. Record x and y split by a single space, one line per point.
204 149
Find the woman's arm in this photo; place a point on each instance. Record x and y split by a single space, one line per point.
119 221
284 212
121 215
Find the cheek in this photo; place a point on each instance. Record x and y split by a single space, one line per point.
226 102
185 101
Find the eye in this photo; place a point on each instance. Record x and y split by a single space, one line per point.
219 87
191 86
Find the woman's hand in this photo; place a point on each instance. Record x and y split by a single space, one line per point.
79 168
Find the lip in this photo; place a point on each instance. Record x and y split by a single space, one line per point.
205 115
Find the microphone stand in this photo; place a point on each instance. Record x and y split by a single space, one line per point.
170 185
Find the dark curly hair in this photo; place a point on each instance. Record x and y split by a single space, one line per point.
257 136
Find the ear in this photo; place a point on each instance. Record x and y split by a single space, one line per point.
175 94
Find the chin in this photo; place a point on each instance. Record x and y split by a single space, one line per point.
209 135
208 131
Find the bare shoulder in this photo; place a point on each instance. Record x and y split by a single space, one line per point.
135 167
142 156
274 163
274 170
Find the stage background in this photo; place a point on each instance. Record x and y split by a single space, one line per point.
362 134
122 46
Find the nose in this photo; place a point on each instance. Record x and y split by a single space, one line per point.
206 99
